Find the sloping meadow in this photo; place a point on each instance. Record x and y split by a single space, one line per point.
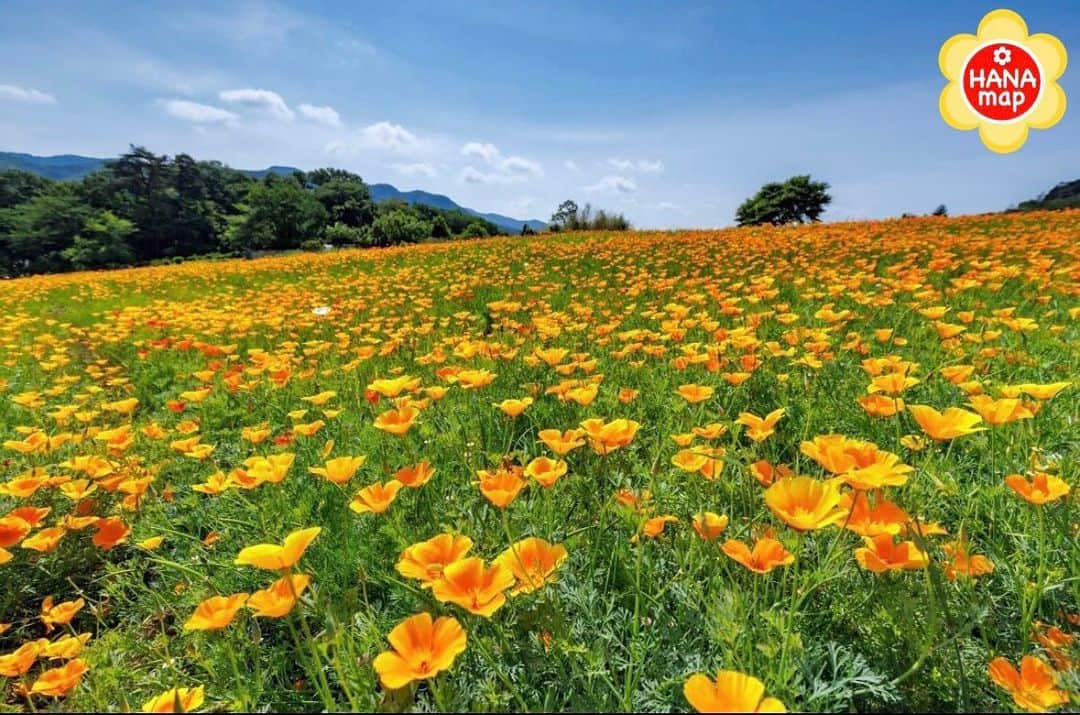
820 468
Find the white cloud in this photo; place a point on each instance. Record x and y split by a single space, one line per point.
263 99
323 115
667 205
23 94
419 168
620 184
389 136
198 113
642 165
486 151
505 169
572 166
472 175
520 166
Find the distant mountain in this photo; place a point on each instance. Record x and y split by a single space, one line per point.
1064 195
386 192
65 166
70 166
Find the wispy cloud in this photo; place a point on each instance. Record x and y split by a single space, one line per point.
198 113
503 169
417 169
261 99
25 94
641 165
323 115
620 184
390 136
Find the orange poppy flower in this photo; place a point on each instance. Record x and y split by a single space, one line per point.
804 503
709 525
695 393
111 532
561 442
215 613
759 428
767 554
533 562
416 475
20 660
653 527
31 514
183 700
474 587
375 498
57 682
501 486
729 692
513 408
12 530
961 563
953 422
606 437
426 560
999 412
881 554
1032 687
765 473
880 405
65 648
340 469
546 471
45 540
274 557
1042 489
421 649
278 599
397 422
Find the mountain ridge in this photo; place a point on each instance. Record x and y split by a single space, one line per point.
64 167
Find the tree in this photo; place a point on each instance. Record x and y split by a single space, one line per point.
475 230
440 228
941 210
398 226
103 243
346 201
17 187
339 234
797 200
278 214
566 216
37 231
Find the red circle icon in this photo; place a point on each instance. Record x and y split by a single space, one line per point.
1002 81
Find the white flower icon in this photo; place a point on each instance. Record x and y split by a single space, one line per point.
1003 55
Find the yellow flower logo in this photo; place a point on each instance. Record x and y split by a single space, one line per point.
1002 81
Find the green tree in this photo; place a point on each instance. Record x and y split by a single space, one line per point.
439 227
566 216
398 226
797 200
36 232
277 214
103 243
17 187
347 201
475 230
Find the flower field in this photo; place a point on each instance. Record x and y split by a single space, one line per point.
814 468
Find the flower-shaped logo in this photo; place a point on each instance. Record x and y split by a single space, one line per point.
1002 81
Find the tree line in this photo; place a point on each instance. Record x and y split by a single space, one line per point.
146 208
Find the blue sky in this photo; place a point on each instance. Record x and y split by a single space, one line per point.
670 112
